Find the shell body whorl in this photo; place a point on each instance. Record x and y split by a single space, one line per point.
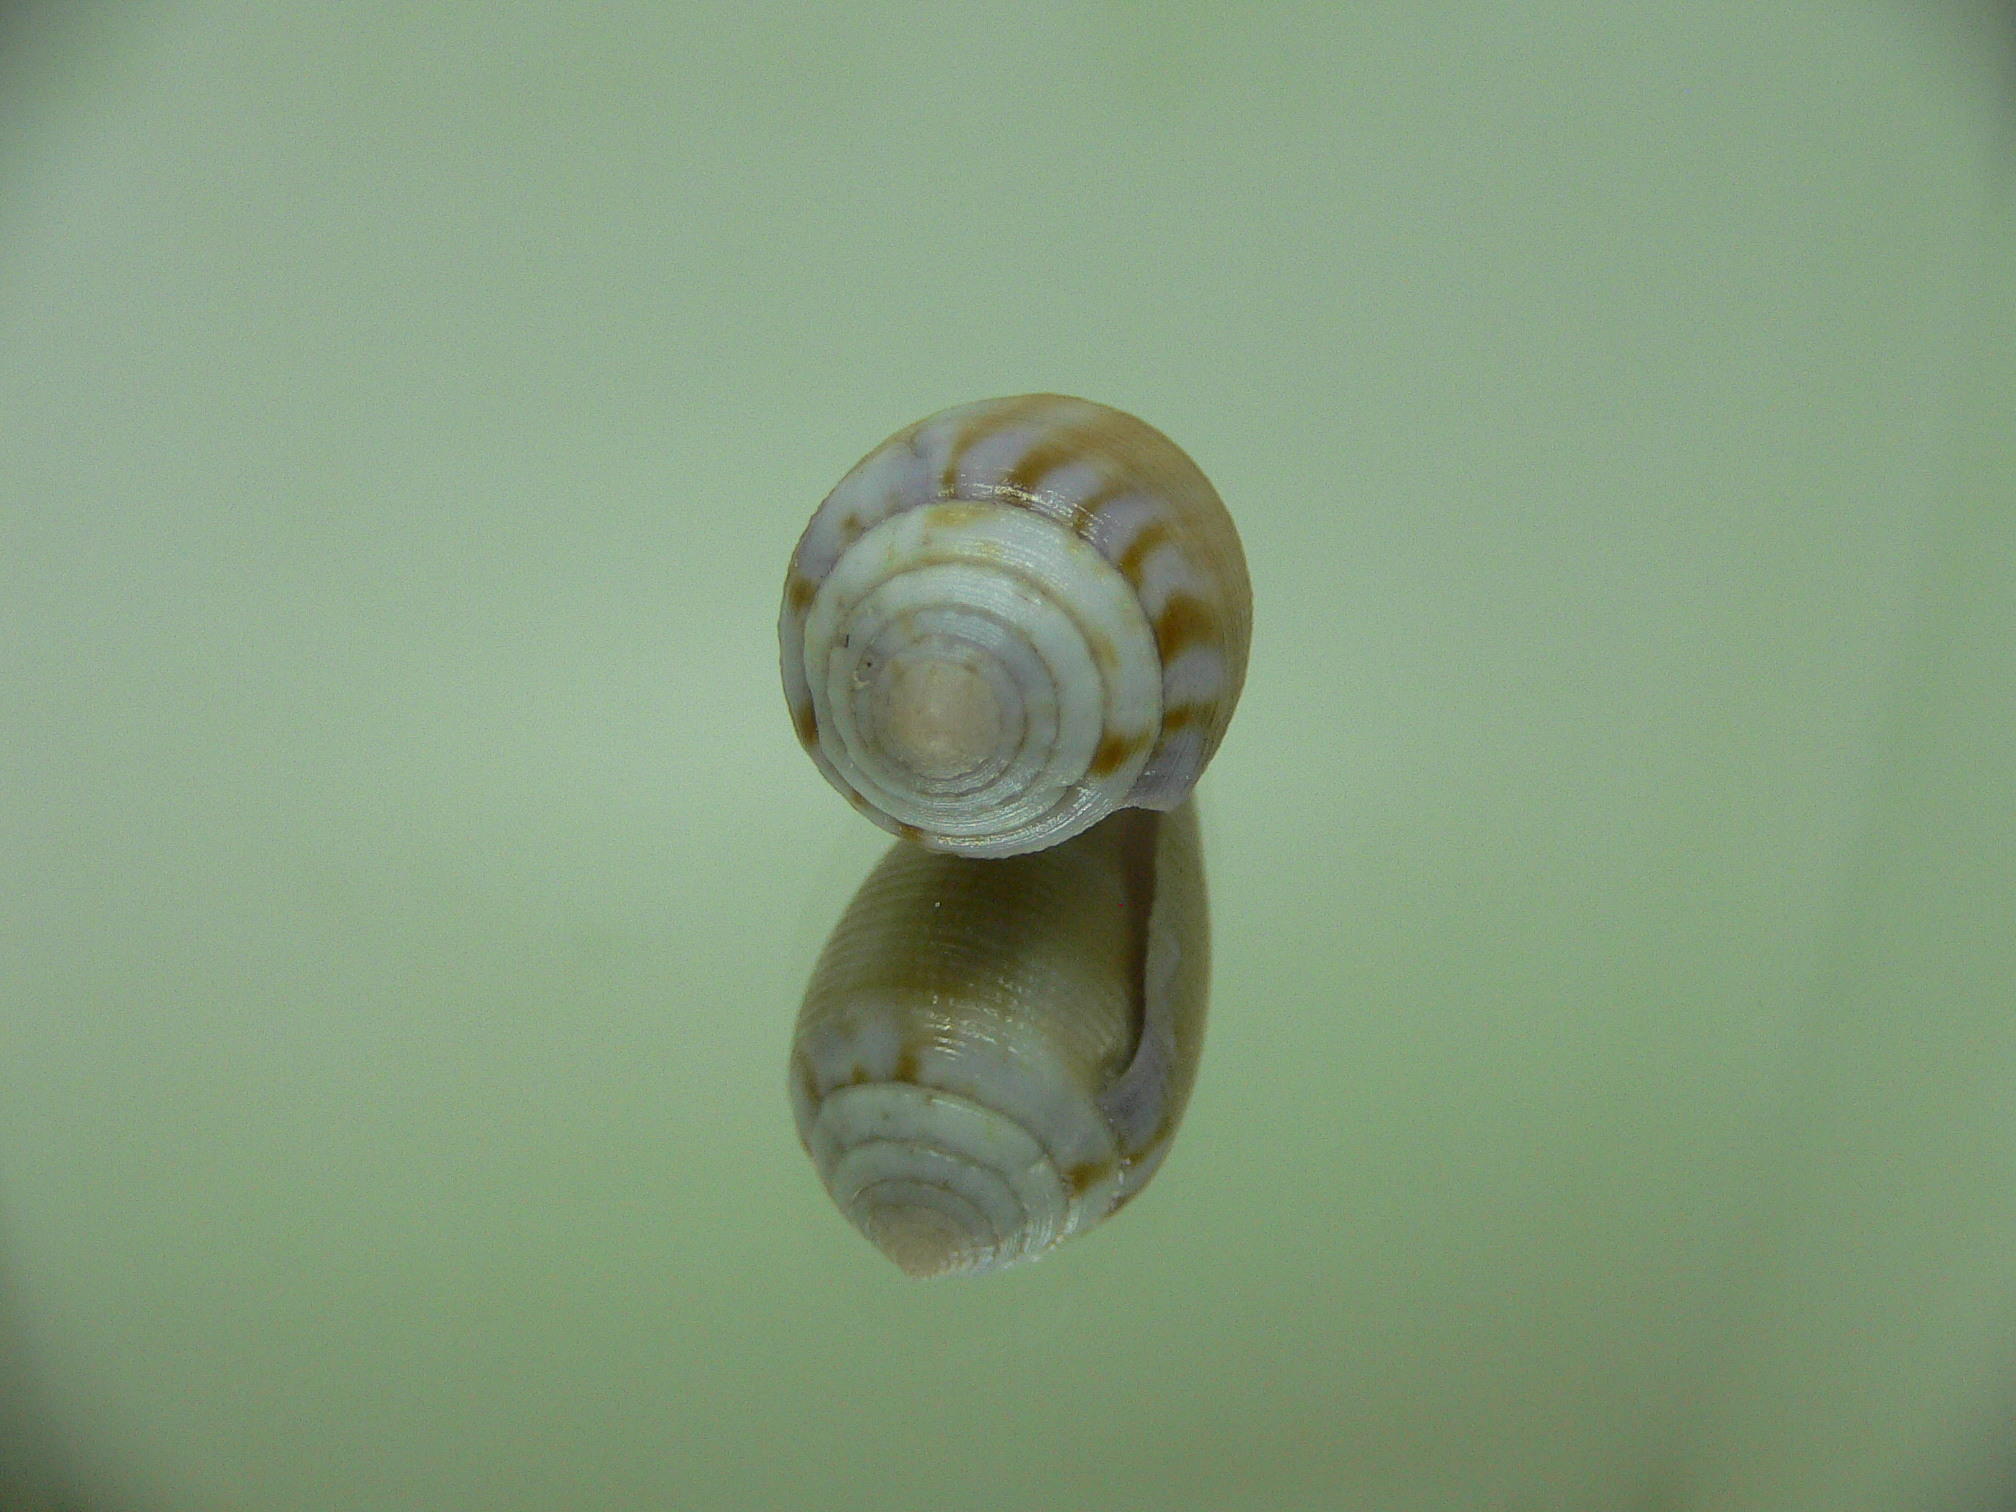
992 1057
1012 618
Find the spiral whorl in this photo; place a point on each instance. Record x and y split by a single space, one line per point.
1011 619
983 671
937 1182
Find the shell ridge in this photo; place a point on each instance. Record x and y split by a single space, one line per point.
1146 1100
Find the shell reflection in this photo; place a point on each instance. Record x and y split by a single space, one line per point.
993 1055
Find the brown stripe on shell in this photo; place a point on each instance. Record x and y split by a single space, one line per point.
1182 716
977 428
1127 454
1082 1178
1145 540
957 513
807 722
1114 752
800 590
1184 620
1070 444
1132 451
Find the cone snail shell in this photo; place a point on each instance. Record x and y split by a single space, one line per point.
1013 618
993 1055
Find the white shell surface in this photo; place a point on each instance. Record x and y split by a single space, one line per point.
1095 526
993 1055
1053 654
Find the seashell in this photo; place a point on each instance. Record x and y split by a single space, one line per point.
1013 618
993 1055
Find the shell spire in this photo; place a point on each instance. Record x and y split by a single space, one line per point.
1013 618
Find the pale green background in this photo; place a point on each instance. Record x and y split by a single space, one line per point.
407 873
